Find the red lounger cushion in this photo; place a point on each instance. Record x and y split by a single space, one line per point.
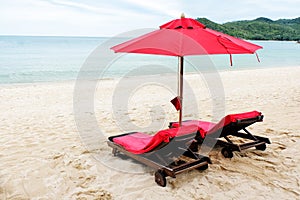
206 128
139 143
203 126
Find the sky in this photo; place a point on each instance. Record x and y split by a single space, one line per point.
113 17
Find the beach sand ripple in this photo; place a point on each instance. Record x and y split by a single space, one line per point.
42 155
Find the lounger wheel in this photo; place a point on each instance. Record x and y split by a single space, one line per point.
261 147
227 152
160 178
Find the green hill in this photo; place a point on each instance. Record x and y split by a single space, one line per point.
259 29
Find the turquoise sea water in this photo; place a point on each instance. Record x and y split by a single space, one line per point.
27 59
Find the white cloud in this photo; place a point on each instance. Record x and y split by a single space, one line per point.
168 8
101 18
35 17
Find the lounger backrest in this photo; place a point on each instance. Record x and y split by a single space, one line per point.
229 124
234 122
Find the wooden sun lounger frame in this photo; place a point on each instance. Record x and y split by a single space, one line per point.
164 168
234 129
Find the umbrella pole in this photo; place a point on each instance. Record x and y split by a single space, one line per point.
180 87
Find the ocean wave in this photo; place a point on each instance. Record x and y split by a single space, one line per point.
37 76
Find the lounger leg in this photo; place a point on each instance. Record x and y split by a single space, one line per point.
115 151
250 135
202 168
261 147
193 146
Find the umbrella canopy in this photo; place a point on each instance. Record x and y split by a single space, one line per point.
183 37
186 36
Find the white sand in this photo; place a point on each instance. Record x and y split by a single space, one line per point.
43 156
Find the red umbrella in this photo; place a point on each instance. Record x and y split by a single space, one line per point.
183 37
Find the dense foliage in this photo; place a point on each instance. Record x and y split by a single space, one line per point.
259 29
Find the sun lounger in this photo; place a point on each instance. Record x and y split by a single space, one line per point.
230 125
169 151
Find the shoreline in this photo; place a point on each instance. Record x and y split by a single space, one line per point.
72 81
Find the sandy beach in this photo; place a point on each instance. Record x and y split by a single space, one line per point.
45 155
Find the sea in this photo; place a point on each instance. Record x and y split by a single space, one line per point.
30 59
